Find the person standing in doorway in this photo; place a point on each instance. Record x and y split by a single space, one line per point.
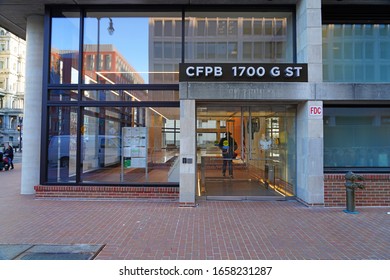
228 145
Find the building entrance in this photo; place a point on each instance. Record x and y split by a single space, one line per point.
246 152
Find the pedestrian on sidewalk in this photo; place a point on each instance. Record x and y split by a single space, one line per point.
9 153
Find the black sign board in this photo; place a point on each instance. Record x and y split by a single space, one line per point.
242 72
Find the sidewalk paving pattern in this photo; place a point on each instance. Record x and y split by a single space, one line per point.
215 230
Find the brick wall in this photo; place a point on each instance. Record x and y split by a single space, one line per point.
108 192
376 192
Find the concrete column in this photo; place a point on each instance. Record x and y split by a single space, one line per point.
310 153
32 105
187 153
309 37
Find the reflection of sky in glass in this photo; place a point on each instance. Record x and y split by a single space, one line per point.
130 38
65 35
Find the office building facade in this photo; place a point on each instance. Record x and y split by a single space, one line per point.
133 101
12 68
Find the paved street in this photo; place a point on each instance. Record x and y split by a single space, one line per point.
283 230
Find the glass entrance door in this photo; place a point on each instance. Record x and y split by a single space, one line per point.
246 152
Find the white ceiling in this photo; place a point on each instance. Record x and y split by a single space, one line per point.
13 13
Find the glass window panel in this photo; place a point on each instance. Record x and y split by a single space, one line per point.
384 29
134 40
258 50
233 27
338 31
358 50
62 144
348 72
347 30
338 72
211 28
359 73
189 50
257 27
368 134
269 50
365 44
186 27
119 146
326 72
65 48
325 51
247 51
348 50
279 28
178 50
168 69
369 50
385 73
358 30
158 50
168 28
178 28
280 51
200 51
63 95
248 25
221 51
158 75
337 51
268 27
158 28
222 27
384 50
168 50
368 30
370 73
135 95
201 27
210 50
325 30
232 51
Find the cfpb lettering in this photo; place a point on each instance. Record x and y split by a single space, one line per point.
198 71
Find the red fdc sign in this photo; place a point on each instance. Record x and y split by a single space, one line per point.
315 110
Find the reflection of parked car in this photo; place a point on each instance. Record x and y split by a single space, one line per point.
61 149
95 152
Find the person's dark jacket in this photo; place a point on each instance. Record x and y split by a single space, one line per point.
9 152
228 145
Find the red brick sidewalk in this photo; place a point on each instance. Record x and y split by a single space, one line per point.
214 230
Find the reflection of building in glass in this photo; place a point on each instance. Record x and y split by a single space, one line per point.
349 58
12 82
112 67
217 39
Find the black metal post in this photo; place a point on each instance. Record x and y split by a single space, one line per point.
20 133
350 203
